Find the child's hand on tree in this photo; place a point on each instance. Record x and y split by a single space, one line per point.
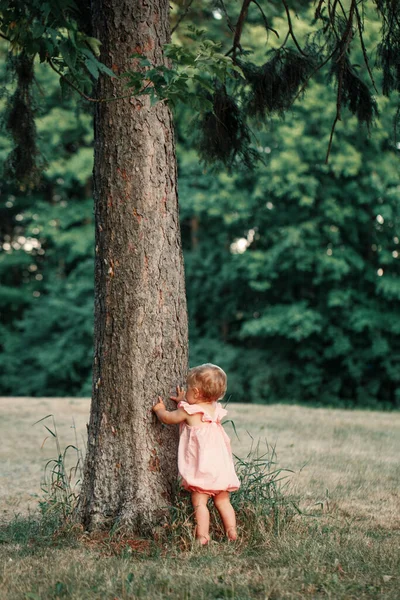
160 404
180 394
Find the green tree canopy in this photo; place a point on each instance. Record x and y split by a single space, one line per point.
292 268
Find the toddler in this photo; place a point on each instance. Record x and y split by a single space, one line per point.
204 457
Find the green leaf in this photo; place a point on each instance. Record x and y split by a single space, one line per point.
42 419
205 83
92 68
68 53
46 9
54 34
37 29
237 69
94 44
50 431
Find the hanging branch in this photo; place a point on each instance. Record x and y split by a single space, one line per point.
267 26
318 13
183 15
318 68
24 161
342 7
240 23
291 29
228 19
284 41
332 14
239 26
344 45
364 50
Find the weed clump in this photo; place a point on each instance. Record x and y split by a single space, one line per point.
261 504
61 483
55 524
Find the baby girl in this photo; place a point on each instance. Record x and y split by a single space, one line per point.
204 457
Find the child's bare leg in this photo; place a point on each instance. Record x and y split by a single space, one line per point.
202 516
225 509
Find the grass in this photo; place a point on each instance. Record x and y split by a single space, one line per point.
61 484
330 530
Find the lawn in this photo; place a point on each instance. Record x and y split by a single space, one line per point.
344 544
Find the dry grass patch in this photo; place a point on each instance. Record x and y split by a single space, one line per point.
350 457
22 453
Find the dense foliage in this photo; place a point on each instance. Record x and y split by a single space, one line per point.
293 275
295 267
218 78
46 262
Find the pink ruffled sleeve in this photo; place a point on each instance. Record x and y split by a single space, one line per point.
220 412
193 409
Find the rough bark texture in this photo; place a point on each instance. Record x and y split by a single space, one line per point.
140 306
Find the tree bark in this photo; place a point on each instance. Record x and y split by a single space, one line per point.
140 346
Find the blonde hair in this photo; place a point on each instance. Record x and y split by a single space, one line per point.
210 380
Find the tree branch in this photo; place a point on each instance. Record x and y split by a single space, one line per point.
359 26
303 87
183 15
332 13
284 41
228 19
267 27
318 13
331 138
239 25
342 7
344 43
89 98
291 29
72 85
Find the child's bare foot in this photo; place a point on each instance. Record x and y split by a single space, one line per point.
231 533
203 540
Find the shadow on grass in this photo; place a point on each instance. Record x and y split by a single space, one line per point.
28 534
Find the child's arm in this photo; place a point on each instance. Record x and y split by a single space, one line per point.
168 417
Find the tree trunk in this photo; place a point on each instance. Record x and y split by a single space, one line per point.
140 305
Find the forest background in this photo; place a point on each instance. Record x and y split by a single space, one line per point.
292 268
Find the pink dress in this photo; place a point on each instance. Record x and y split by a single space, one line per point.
205 460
